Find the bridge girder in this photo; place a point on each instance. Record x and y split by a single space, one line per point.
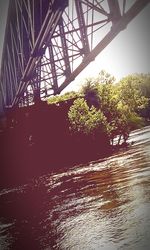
49 42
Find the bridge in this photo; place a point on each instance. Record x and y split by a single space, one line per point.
49 42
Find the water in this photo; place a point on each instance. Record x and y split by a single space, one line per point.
102 205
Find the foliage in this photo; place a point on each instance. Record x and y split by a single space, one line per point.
90 92
85 120
105 78
144 84
107 107
64 97
109 100
117 103
130 93
126 121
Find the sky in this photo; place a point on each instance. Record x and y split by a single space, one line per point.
128 53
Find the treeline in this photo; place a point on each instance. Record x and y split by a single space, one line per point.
105 108
76 127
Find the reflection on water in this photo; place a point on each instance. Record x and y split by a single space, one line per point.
102 205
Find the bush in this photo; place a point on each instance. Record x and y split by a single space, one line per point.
85 120
60 98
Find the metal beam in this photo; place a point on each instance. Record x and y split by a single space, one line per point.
67 70
48 27
116 28
83 31
49 42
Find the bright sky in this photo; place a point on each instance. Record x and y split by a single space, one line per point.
128 53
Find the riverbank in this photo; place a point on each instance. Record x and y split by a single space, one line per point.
37 139
22 162
100 205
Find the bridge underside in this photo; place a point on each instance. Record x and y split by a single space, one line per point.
49 42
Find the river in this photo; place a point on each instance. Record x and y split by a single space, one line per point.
100 205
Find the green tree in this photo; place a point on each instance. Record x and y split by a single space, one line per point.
105 94
105 78
61 98
106 107
130 93
143 81
119 103
86 120
126 121
90 92
144 86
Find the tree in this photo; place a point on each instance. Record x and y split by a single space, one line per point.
105 108
118 103
85 120
90 92
64 97
105 78
104 96
144 86
130 93
143 81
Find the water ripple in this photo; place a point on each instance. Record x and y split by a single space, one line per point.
100 205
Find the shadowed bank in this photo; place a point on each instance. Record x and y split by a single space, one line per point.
37 139
100 205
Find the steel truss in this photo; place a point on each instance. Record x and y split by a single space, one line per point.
49 42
